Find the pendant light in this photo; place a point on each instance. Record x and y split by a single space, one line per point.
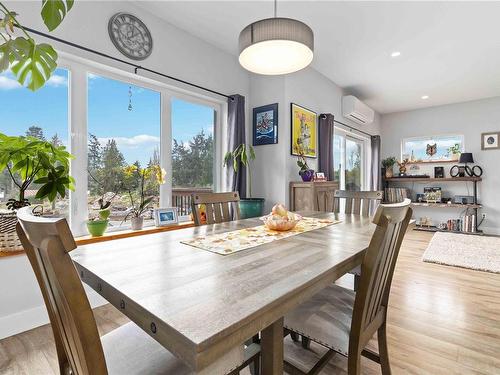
276 45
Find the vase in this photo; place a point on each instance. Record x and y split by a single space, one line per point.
251 207
137 223
307 175
389 172
97 228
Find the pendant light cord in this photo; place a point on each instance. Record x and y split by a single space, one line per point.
275 8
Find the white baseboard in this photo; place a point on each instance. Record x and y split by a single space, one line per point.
35 317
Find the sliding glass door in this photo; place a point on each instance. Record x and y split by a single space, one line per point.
349 161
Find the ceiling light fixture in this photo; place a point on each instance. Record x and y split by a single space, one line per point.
276 45
425 97
396 54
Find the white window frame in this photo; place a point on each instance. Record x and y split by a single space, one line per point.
78 69
420 138
365 155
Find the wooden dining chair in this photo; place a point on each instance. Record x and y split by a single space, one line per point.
80 351
343 320
217 207
361 203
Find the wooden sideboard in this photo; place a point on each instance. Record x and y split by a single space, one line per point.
312 195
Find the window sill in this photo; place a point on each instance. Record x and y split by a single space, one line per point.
85 240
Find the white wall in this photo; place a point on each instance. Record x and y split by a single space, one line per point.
175 52
307 88
470 119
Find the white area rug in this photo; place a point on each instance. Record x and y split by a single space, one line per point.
464 250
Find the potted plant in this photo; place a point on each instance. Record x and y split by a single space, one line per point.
454 152
249 207
388 164
305 172
31 162
137 178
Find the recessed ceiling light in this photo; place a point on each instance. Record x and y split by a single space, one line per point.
396 54
425 97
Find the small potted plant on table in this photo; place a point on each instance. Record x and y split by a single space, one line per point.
137 178
31 162
305 172
388 164
249 207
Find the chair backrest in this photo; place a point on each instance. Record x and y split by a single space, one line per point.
47 243
377 269
217 207
357 202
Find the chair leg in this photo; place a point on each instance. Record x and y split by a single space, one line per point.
354 364
356 282
306 342
383 351
294 336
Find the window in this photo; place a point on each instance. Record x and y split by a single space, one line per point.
124 123
41 114
349 161
192 151
433 148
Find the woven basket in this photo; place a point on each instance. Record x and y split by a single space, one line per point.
9 241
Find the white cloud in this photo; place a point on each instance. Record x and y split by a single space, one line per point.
7 83
93 76
141 140
56 81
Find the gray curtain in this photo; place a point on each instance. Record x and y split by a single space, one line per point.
326 128
376 183
236 136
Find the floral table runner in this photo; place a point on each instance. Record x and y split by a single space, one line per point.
242 239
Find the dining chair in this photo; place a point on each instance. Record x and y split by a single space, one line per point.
127 349
217 207
343 320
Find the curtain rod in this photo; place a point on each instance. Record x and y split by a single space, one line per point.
136 67
348 126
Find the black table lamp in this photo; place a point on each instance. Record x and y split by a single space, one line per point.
466 157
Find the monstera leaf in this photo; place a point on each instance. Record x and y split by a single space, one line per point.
35 63
54 11
8 52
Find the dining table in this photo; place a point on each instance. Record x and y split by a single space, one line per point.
200 305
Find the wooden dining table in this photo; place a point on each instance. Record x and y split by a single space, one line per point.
199 305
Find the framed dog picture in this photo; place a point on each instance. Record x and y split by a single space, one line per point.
304 131
265 125
490 141
165 216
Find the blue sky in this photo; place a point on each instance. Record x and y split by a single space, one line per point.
137 132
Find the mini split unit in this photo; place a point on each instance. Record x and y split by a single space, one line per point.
357 111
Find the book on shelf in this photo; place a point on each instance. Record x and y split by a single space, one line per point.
395 195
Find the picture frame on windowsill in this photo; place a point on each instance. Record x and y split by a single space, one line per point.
165 216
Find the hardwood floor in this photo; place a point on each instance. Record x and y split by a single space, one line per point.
442 320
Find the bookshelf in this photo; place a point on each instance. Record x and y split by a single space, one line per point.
474 206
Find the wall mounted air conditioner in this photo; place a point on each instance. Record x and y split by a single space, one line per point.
357 111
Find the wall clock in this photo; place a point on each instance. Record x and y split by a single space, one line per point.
130 36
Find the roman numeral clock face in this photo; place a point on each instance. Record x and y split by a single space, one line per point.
130 36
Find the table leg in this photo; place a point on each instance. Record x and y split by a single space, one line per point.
272 349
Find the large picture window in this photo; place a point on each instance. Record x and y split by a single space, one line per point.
432 148
349 161
124 123
42 114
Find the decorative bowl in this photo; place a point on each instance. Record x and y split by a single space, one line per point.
275 222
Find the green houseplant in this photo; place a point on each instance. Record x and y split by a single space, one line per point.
454 152
31 162
140 183
249 207
388 164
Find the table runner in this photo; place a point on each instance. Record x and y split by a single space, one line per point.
242 239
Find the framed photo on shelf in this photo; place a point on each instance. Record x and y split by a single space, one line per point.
304 124
265 125
490 141
165 216
438 172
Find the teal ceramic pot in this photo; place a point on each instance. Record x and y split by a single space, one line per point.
97 228
104 214
251 207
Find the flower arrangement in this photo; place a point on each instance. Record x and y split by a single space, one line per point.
305 172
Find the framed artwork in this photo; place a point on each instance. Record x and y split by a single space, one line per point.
265 125
438 172
304 131
490 141
165 216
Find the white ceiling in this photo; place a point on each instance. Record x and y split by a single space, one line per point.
449 51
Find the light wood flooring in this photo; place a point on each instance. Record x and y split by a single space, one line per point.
442 320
